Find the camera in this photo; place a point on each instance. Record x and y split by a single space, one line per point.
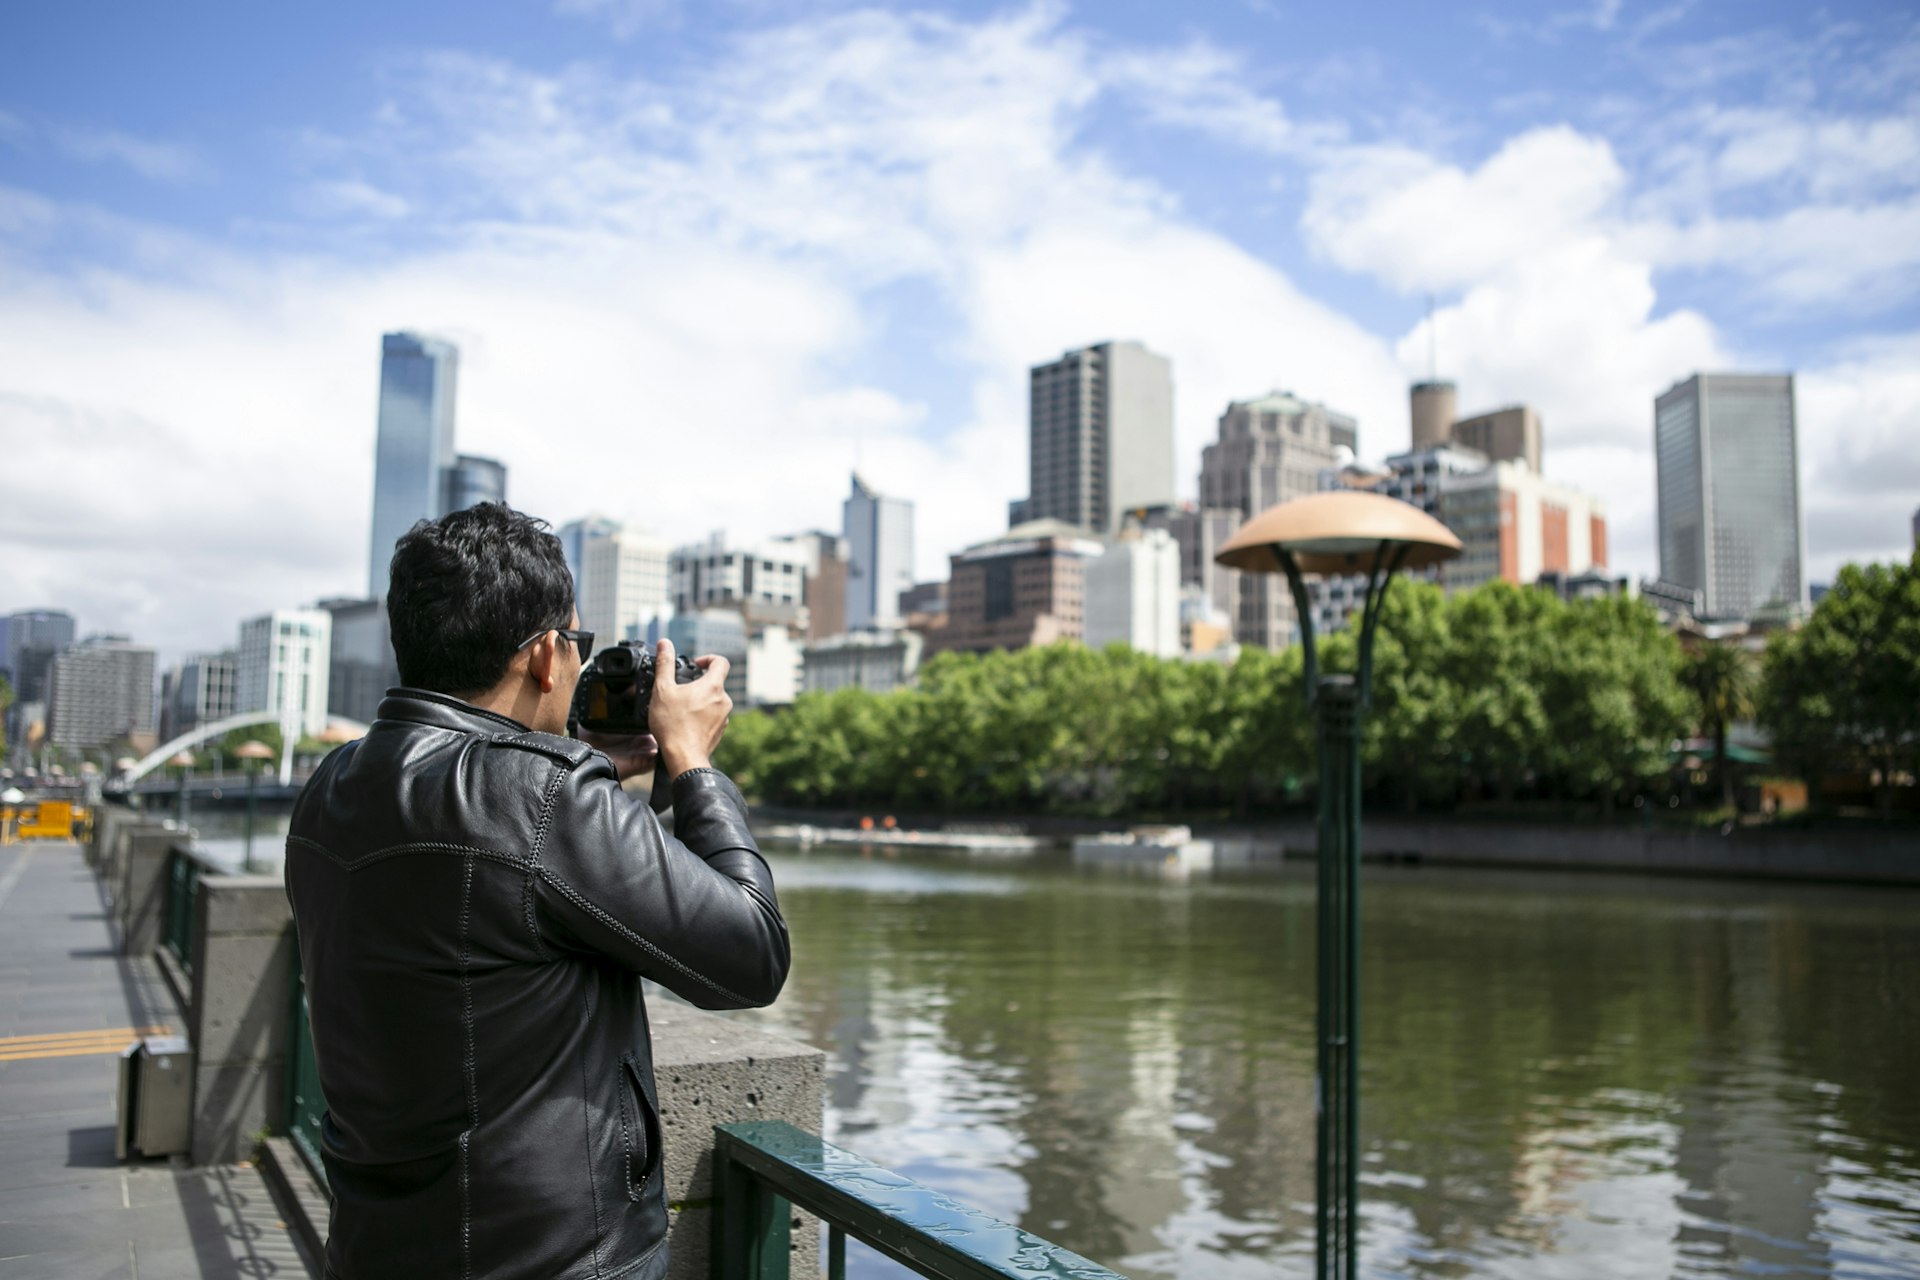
616 686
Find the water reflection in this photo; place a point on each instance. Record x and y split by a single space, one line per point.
1562 1075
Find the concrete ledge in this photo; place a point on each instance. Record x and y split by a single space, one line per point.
300 1197
240 1016
713 1070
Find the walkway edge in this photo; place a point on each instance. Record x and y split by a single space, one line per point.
301 1201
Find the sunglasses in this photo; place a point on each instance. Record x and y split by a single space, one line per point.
582 639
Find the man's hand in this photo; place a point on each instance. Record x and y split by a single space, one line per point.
632 753
688 719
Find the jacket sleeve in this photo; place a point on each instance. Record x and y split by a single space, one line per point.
696 913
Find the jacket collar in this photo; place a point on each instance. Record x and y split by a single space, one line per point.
443 711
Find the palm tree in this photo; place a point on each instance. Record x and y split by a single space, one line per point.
1722 680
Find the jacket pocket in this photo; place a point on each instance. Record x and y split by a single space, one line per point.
639 1128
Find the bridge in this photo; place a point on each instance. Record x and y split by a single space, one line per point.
338 728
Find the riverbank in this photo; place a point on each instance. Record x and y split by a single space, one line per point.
1863 854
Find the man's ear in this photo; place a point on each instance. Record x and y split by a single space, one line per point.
540 661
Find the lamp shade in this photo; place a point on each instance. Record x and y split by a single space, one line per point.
254 749
1337 532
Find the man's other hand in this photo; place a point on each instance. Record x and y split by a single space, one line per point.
632 753
688 719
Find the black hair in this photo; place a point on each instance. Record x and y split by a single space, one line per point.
463 590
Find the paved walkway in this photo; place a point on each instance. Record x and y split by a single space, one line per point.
68 1004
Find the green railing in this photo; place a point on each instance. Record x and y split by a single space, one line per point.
305 1106
183 888
762 1166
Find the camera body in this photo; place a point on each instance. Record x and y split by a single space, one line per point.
617 685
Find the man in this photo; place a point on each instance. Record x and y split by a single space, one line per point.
477 900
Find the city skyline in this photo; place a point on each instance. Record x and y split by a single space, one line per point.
970 190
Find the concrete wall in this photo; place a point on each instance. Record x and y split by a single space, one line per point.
138 882
1890 857
712 1070
239 1014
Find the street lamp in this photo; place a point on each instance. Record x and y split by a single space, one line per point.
183 761
1342 532
253 751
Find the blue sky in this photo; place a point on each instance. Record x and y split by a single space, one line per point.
702 258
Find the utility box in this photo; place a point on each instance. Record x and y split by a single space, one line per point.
156 1097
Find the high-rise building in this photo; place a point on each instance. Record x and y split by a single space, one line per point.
879 533
722 632
195 692
1731 526
1511 434
623 582
764 580
1100 436
1270 450
282 666
471 481
1133 594
574 536
826 591
1433 405
1200 532
1516 526
1025 587
34 636
360 662
415 447
99 692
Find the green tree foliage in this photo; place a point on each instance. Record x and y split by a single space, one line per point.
1843 692
1495 691
6 701
1724 686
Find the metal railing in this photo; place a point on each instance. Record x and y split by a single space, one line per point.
305 1105
183 889
762 1166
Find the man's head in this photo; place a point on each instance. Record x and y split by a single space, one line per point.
475 600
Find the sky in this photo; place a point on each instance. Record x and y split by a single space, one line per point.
703 260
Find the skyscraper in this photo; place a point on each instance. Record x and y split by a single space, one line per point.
1100 436
415 447
1731 526
100 692
1269 450
471 481
879 534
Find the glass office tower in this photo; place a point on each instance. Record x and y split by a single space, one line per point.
1731 526
879 534
415 447
471 481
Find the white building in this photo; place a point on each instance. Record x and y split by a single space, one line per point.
877 661
763 580
282 666
623 583
774 665
1133 594
879 534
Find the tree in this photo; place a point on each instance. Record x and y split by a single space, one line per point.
1846 687
1725 687
6 701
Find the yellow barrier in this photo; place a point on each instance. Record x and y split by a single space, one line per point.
48 820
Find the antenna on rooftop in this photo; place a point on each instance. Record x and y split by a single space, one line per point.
1433 345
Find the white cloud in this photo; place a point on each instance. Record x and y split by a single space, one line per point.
349 197
625 18
162 161
1859 467
658 292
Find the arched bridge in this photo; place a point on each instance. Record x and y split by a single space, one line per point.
218 728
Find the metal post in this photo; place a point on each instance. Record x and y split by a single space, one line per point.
180 799
1337 1127
253 784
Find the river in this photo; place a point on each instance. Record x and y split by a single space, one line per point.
1562 1074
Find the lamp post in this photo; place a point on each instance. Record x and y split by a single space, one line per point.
1338 533
253 751
183 761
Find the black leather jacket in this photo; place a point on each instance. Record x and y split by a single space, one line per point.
476 905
